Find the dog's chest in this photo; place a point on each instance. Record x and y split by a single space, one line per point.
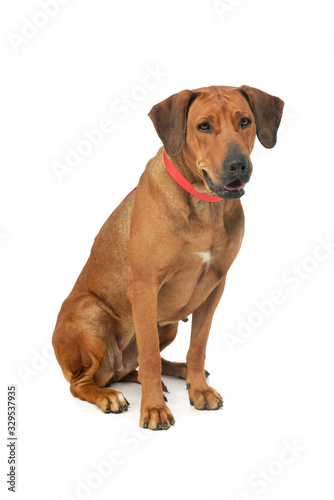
199 264
203 260
205 257
198 272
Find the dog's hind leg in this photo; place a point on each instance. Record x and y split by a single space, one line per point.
79 341
174 369
167 334
133 377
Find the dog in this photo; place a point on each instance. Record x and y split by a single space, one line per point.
164 253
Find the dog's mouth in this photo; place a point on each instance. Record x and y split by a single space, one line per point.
235 185
233 190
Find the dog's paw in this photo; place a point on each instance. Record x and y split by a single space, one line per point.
204 398
112 402
156 417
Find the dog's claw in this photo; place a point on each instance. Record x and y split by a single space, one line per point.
156 417
172 421
165 399
206 373
206 406
187 386
107 410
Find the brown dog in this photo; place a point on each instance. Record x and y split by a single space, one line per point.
163 254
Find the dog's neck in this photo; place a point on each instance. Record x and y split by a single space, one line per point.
180 202
183 165
181 180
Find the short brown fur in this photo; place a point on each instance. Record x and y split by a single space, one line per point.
146 271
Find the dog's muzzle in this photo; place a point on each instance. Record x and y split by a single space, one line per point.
236 175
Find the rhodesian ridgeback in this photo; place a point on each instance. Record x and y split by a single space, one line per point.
163 254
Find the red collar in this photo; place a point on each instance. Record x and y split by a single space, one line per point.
182 181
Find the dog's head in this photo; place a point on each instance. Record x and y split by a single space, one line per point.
214 129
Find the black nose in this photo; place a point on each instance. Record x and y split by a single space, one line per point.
236 165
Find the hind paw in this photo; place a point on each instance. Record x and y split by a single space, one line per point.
112 402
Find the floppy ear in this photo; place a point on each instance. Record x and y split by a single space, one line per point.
170 120
267 111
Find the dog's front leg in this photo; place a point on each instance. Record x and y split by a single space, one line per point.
154 413
201 395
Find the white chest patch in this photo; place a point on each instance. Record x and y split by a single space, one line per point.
206 257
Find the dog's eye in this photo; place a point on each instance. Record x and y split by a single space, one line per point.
204 127
244 122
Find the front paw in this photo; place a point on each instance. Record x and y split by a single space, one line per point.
204 397
156 416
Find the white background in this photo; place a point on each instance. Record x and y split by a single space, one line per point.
278 382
